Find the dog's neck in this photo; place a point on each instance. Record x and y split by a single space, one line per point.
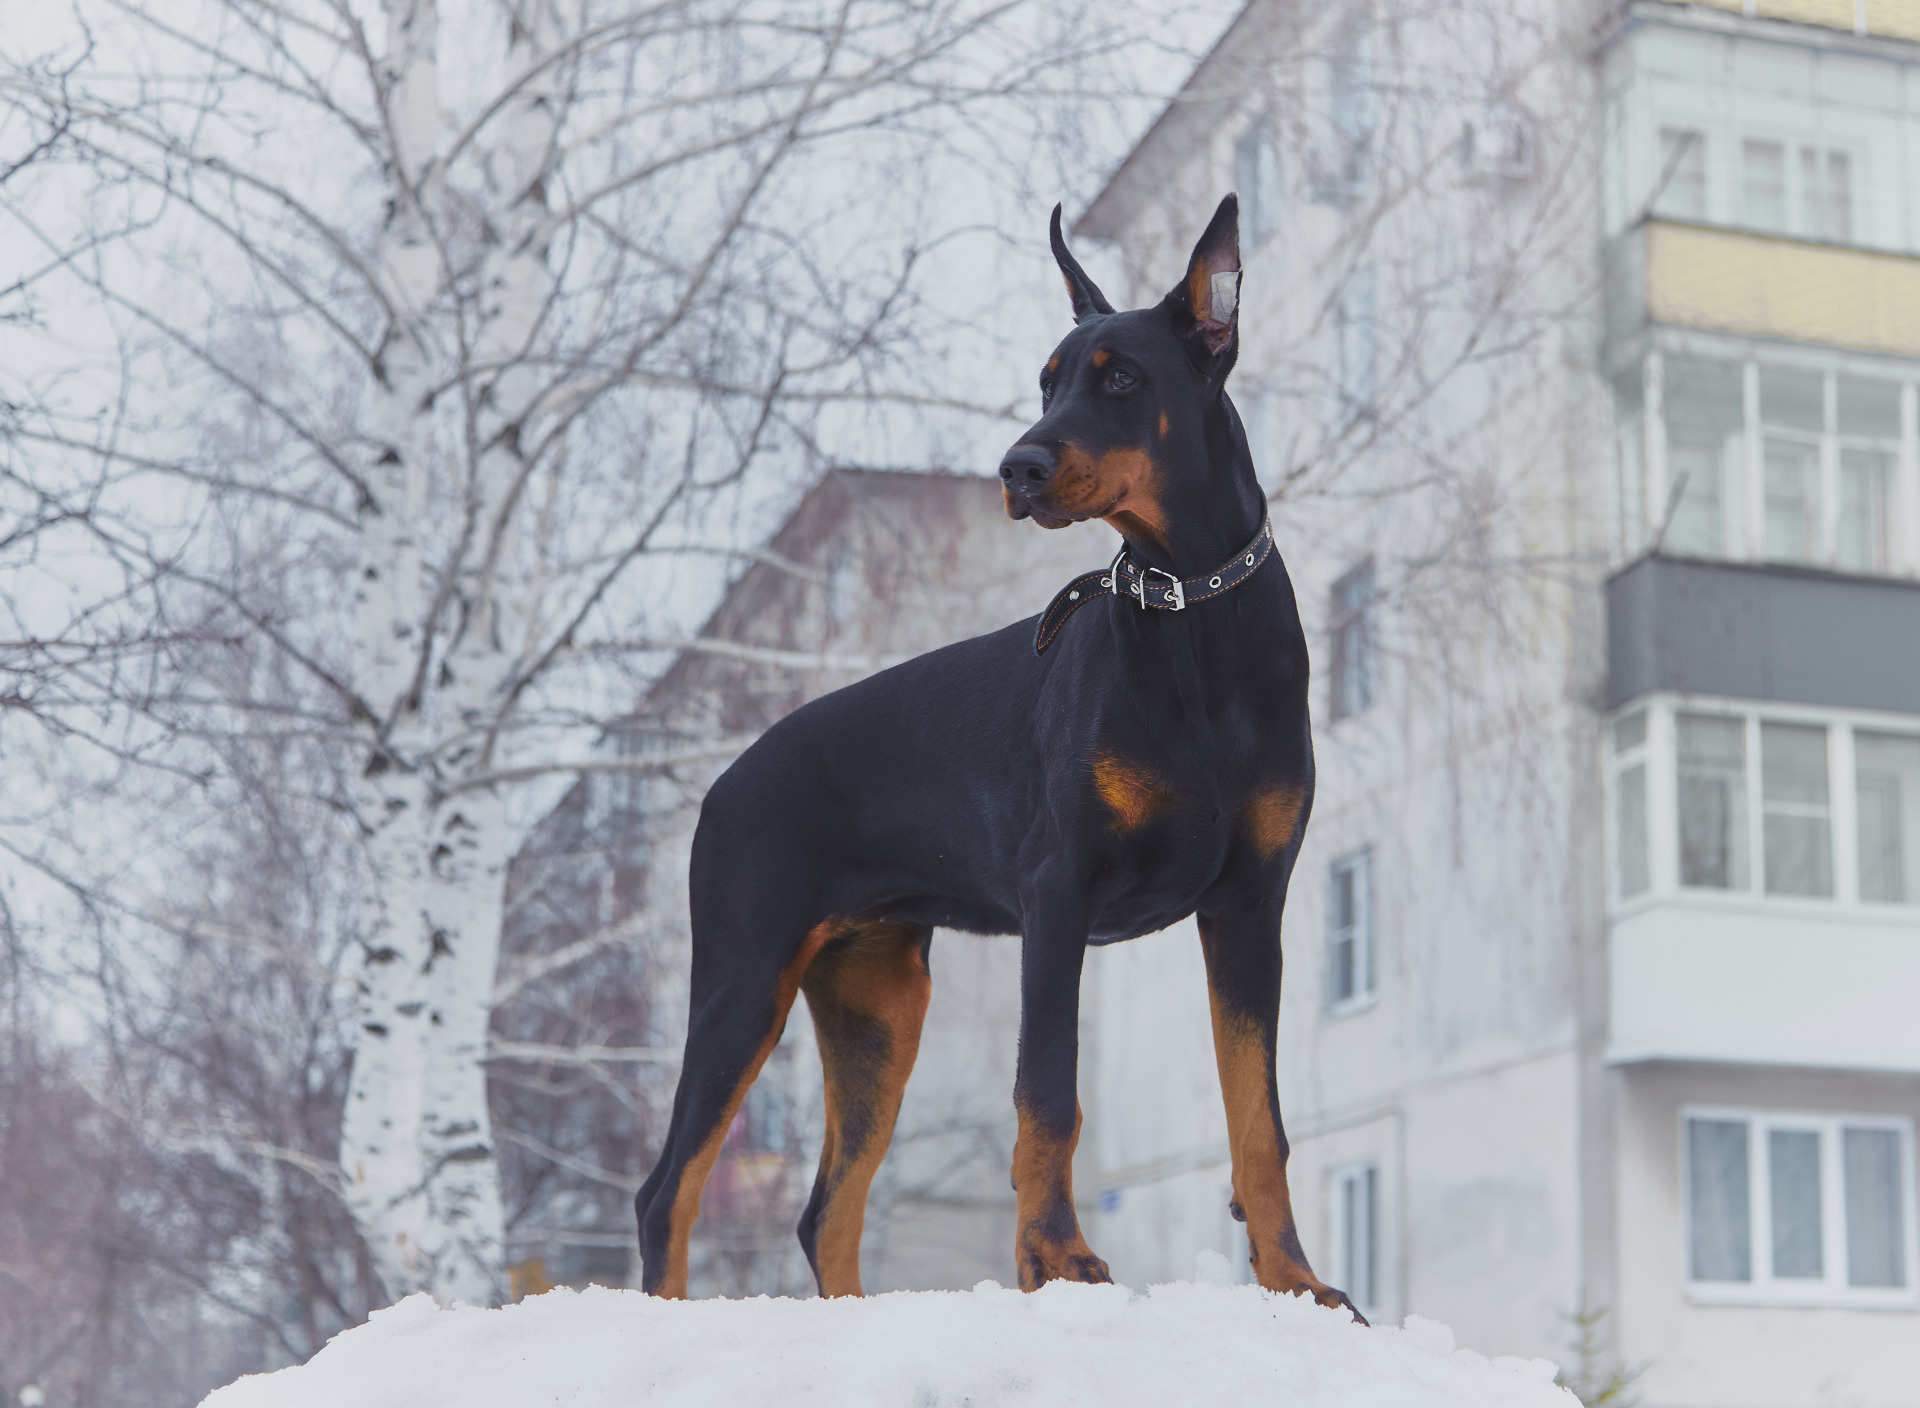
1201 534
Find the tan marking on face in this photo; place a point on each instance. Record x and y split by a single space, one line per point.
1272 817
1163 425
1101 357
693 1175
1121 487
1053 362
1132 793
1048 1244
868 994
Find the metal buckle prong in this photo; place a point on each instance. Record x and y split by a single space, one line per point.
1175 592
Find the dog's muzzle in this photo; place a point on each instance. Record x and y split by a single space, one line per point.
1026 471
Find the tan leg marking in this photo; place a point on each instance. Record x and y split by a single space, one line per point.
1272 817
1132 793
1260 1190
693 1176
1048 1245
868 995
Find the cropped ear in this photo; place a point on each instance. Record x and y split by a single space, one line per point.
1086 296
1206 304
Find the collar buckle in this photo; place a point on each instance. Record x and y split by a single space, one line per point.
1175 591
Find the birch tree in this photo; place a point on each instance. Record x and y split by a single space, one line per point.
378 373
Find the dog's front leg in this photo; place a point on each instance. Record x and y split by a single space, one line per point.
1243 983
1048 1245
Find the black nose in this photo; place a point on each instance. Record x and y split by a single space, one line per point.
1027 468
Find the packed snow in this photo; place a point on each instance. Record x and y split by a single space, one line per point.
1188 1341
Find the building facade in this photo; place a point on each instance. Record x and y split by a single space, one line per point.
1604 954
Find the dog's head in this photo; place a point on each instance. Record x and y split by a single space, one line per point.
1128 431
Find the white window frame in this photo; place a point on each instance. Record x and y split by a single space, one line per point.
1832 1289
1619 762
1660 753
1644 505
1725 112
1365 986
1366 1297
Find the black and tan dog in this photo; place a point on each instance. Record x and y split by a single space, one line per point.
1138 753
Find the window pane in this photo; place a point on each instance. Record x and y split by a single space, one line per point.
1763 185
1793 499
1793 785
1869 408
1826 193
1631 837
1713 801
1793 400
1704 423
1630 731
1865 477
1717 1195
1887 785
1876 1236
1793 1175
1683 161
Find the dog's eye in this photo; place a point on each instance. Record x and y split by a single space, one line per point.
1118 380
1046 391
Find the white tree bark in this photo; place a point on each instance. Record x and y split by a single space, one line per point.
394 1142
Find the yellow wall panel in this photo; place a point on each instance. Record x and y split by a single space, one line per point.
1779 288
1834 14
1898 19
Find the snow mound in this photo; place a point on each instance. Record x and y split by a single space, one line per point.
1066 1344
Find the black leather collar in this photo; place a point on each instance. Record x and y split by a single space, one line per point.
1151 588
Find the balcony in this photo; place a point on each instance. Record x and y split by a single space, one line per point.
1697 979
1755 285
1771 633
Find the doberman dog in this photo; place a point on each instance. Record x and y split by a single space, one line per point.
1083 777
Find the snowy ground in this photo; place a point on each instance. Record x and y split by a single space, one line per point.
1186 1342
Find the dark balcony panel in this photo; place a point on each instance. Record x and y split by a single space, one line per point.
1773 633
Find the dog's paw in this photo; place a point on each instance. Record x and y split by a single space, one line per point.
1041 1263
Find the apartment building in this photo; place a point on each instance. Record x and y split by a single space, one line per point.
1606 994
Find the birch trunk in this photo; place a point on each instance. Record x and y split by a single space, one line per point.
387 1160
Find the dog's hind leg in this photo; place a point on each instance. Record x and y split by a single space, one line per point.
868 990
1242 950
737 1017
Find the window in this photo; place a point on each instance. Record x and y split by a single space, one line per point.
1712 778
1763 185
1798 1207
1816 190
1797 826
1792 415
1683 169
1826 194
1356 1234
1354 327
1756 804
1256 175
1704 438
1350 932
1887 798
1631 873
1352 639
1341 170
1823 488
1868 416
